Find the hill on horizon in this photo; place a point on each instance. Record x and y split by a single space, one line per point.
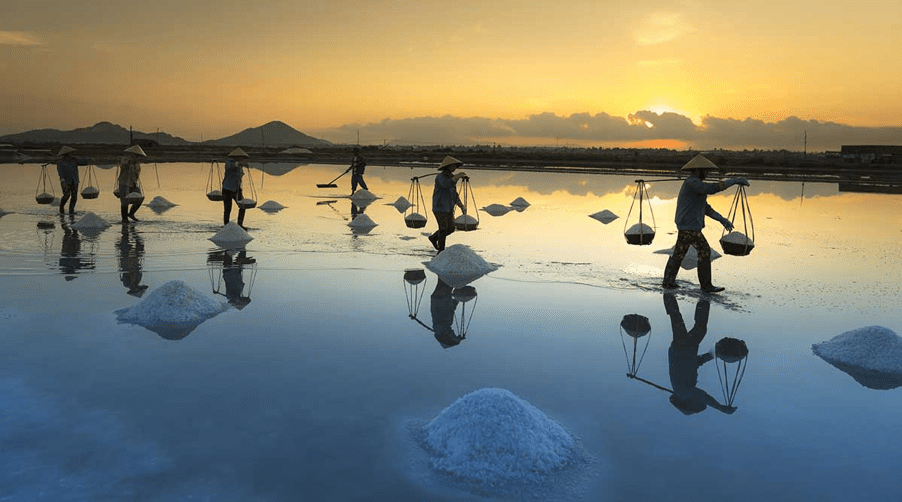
272 134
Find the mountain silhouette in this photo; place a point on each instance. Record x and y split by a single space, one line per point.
272 134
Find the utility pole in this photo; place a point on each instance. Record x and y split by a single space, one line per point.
358 137
805 148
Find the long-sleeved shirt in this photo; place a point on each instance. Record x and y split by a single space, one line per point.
444 195
129 172
67 168
231 179
358 165
692 203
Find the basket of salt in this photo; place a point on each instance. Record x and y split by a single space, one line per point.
638 233
90 191
736 242
247 203
44 193
635 325
466 221
415 220
214 180
135 197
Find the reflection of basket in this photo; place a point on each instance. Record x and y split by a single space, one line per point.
44 198
415 220
247 203
731 350
214 195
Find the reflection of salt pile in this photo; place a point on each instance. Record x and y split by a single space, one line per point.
871 355
401 204
173 310
159 202
491 436
231 234
363 194
520 202
458 265
496 209
690 261
90 221
362 221
271 205
605 216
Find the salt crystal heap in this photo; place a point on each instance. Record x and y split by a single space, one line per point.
231 235
496 209
2 212
871 355
690 261
458 265
363 194
271 206
605 216
519 202
173 310
362 221
402 204
493 437
159 202
90 221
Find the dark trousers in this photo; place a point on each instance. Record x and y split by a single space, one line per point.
68 191
227 197
357 179
445 228
696 239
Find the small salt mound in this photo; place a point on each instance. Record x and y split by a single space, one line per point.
605 216
496 209
362 221
690 261
519 202
270 205
173 305
492 436
640 229
90 221
872 348
401 204
160 202
231 233
738 238
363 194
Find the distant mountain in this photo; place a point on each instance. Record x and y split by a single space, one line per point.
99 133
272 134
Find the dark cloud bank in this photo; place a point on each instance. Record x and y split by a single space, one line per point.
584 129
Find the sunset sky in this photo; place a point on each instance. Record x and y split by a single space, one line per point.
725 73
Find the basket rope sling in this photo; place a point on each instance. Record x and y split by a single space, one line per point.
41 193
640 234
739 242
415 215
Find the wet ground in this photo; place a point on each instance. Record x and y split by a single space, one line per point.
309 388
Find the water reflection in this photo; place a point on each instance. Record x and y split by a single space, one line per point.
71 257
449 327
635 326
130 250
733 355
227 268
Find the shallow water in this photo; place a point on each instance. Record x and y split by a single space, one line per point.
307 392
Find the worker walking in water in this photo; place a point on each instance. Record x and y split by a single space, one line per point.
444 198
129 179
231 185
358 166
692 207
67 168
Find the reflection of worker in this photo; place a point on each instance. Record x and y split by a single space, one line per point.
70 252
685 360
234 282
358 166
231 185
131 251
129 177
444 198
67 168
442 307
356 210
692 207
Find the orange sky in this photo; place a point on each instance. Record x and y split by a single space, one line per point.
211 68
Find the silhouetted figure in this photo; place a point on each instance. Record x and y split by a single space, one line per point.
130 248
231 185
684 359
444 198
232 276
67 168
71 260
358 167
129 179
443 306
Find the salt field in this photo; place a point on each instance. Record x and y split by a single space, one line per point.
328 353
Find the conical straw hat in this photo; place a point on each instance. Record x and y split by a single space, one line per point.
64 150
450 161
136 150
238 152
699 162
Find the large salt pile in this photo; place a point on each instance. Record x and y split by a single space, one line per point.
173 310
362 221
519 202
872 355
605 216
493 437
90 221
690 261
363 194
458 265
401 204
159 202
271 206
496 209
231 235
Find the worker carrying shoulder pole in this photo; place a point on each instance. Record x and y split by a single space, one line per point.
692 207
358 167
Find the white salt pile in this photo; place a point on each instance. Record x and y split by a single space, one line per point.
690 261
496 209
362 221
231 234
401 204
363 194
172 303
160 202
872 348
90 221
640 229
519 202
458 265
604 216
271 205
493 437
738 238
